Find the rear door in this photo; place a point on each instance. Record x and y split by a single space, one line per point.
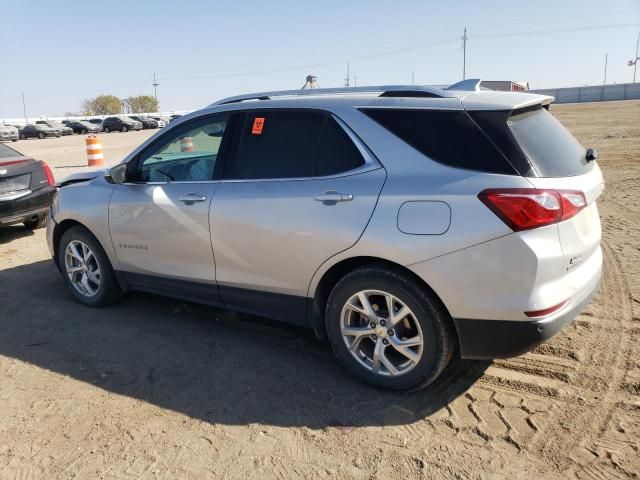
299 190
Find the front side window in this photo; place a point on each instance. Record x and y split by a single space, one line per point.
188 153
292 144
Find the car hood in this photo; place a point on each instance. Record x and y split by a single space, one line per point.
80 177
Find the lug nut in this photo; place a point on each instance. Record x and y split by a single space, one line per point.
391 333
383 323
385 341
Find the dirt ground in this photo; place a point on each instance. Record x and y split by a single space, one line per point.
158 388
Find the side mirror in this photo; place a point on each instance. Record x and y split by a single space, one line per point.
117 174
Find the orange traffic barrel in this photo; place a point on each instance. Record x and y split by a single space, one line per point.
95 158
186 144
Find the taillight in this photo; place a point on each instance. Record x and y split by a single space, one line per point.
48 174
546 311
527 208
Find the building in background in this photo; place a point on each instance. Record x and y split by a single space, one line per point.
505 85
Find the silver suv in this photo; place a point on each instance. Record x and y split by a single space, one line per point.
402 222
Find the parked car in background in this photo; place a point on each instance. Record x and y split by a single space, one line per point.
404 223
8 133
120 124
174 117
26 189
162 121
147 122
64 130
95 121
38 131
82 127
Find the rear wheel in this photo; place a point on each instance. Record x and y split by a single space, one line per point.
124 129
106 130
86 268
23 136
41 135
387 330
84 131
34 224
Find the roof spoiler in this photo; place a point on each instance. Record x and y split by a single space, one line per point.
470 85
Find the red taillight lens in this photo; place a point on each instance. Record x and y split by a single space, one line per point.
546 311
527 208
49 174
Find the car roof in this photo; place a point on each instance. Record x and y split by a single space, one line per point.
466 94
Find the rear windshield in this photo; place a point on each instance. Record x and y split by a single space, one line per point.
6 152
548 145
446 136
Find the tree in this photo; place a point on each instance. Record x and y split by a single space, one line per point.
102 105
143 104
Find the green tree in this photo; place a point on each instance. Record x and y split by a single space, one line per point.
143 104
102 105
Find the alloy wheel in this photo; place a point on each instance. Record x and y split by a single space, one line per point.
82 268
381 332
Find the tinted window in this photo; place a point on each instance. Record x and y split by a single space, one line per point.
448 137
337 153
292 144
548 145
281 144
6 152
188 153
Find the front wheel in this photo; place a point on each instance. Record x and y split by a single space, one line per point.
86 268
124 129
41 135
106 130
387 329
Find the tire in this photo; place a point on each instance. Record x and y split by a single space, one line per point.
41 135
124 129
23 136
106 129
108 290
428 326
84 131
40 222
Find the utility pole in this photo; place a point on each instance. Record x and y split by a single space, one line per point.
347 78
155 86
635 64
24 109
606 58
413 78
464 54
355 80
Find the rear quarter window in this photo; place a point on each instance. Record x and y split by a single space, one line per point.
448 137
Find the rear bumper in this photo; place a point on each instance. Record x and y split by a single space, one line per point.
27 207
486 339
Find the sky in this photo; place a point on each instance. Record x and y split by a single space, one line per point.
59 53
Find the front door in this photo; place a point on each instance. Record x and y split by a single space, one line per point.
159 221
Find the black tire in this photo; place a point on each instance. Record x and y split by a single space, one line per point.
434 320
40 222
41 135
106 129
84 131
124 129
23 136
109 290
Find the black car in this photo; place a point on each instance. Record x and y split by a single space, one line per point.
38 131
120 124
83 127
26 189
64 129
147 122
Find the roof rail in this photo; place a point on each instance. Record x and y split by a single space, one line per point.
383 90
469 85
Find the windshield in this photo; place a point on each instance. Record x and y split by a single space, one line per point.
548 145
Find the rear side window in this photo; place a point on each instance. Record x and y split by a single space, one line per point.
292 144
448 137
548 145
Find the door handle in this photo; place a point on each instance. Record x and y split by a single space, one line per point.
332 197
190 198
